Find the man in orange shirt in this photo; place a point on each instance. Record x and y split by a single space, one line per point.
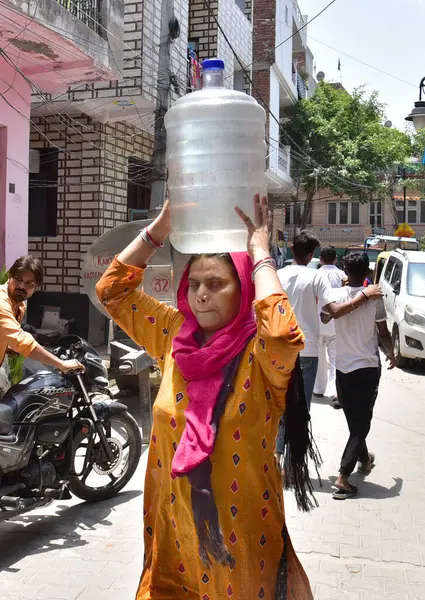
25 276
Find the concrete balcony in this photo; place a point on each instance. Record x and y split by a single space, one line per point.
299 21
279 169
341 235
59 44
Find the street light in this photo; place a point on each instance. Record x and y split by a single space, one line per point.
418 113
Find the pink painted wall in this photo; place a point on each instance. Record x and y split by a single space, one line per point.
14 150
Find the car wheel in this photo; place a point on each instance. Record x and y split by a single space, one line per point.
400 360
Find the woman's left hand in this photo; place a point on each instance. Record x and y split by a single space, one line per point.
258 232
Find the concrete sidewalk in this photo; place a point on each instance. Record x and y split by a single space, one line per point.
373 546
368 548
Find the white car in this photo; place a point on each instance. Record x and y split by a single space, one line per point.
403 285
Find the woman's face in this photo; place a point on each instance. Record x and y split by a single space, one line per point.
214 293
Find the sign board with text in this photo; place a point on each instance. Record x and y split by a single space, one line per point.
158 281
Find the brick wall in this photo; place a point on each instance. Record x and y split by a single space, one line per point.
203 27
264 28
238 31
92 189
212 42
139 73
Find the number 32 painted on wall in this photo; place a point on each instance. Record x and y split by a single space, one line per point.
160 284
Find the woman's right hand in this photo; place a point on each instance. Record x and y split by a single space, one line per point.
161 227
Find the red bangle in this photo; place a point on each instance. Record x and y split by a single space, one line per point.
261 261
152 240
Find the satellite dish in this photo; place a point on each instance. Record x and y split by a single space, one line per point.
320 76
388 124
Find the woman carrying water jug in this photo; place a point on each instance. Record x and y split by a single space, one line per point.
214 523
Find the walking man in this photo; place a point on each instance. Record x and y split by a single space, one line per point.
325 380
307 289
358 367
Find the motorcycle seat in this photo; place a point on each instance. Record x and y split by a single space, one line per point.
13 408
7 417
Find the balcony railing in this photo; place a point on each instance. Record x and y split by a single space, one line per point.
352 234
283 159
297 12
86 11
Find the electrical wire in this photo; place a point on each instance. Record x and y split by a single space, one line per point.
267 108
72 90
54 114
356 59
270 52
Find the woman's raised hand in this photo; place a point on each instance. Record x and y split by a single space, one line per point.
160 228
258 231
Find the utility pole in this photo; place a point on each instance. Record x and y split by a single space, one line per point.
169 30
404 195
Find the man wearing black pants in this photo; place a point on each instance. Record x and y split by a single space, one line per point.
358 368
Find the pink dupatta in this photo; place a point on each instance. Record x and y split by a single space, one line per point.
204 366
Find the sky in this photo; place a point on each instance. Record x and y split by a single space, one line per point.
386 34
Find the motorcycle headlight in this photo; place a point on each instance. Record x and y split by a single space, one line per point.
414 316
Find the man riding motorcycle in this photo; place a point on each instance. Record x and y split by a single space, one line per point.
25 276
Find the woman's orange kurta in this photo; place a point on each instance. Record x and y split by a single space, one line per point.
246 482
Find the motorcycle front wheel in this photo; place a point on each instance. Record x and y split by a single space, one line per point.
94 477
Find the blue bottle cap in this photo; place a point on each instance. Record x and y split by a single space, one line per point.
213 63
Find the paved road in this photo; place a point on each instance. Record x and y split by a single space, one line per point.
368 548
373 546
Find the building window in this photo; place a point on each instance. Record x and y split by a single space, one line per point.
292 214
238 81
411 211
343 213
241 4
415 211
138 188
43 195
375 213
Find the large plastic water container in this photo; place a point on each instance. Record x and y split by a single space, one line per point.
216 157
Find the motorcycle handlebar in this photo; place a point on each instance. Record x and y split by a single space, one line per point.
74 347
75 372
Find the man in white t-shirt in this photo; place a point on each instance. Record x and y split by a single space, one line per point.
306 289
358 367
325 379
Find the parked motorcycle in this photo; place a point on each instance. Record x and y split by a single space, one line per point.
54 440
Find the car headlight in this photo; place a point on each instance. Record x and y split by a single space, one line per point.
414 316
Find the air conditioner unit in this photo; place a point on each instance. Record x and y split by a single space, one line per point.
34 161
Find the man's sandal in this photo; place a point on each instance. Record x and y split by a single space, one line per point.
367 470
344 494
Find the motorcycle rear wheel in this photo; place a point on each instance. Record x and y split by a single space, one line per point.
103 469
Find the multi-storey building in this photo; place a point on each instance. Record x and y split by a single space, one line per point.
47 46
282 75
210 23
344 221
94 144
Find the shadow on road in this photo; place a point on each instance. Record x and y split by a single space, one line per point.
321 400
366 489
35 534
415 368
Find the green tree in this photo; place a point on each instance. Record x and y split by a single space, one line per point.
338 142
